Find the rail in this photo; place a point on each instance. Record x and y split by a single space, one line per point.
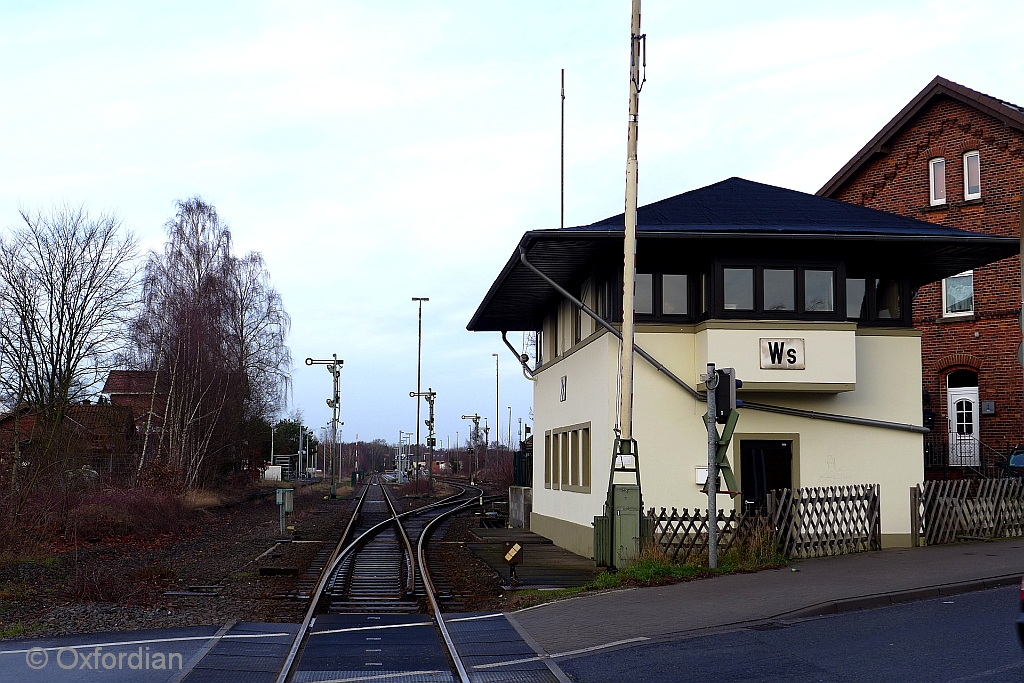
411 587
428 586
338 557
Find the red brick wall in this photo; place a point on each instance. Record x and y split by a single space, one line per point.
898 182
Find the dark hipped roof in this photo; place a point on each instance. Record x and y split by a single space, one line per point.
725 216
1007 112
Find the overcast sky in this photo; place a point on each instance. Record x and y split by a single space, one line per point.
378 151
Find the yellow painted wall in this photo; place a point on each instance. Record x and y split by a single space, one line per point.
670 432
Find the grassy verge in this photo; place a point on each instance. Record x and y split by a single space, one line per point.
16 630
653 568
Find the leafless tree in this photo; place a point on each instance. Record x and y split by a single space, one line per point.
67 287
258 328
216 327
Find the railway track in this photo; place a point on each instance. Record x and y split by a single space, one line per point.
378 580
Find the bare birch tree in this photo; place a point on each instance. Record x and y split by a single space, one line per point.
213 323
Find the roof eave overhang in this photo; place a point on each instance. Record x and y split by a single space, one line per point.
1007 246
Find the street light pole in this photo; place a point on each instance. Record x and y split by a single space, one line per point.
419 366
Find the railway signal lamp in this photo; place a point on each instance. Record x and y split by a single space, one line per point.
725 394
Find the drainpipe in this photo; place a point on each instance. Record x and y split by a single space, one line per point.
527 372
782 410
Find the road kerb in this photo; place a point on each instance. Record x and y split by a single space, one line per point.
897 597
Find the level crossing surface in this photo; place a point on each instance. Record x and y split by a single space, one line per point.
392 648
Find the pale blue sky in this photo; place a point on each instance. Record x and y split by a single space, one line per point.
382 150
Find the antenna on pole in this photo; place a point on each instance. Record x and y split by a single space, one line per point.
562 223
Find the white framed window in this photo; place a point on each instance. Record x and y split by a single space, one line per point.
567 458
972 175
937 181
958 295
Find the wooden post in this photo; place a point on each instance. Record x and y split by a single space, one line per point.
915 517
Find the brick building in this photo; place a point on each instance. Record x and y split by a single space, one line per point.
955 157
144 391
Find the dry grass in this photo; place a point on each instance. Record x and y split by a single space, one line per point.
200 499
118 512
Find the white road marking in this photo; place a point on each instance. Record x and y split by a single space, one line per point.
371 628
638 639
538 658
510 662
479 616
381 677
146 642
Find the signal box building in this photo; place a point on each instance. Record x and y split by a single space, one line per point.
955 157
808 298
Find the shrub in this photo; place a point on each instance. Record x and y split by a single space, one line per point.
91 584
116 512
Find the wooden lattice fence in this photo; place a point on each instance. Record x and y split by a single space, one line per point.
831 520
950 511
684 535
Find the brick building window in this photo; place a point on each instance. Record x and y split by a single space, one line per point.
937 181
972 175
958 294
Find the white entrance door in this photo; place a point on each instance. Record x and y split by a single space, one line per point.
962 414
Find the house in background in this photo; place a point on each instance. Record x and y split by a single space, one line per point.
732 273
144 391
955 157
99 435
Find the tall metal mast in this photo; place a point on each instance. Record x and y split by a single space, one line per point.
334 366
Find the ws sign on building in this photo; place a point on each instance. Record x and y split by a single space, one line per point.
782 354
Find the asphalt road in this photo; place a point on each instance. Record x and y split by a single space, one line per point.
967 637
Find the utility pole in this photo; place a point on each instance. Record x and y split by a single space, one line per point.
334 366
419 366
618 532
562 222
629 246
474 439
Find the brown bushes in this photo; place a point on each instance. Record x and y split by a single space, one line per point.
118 512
